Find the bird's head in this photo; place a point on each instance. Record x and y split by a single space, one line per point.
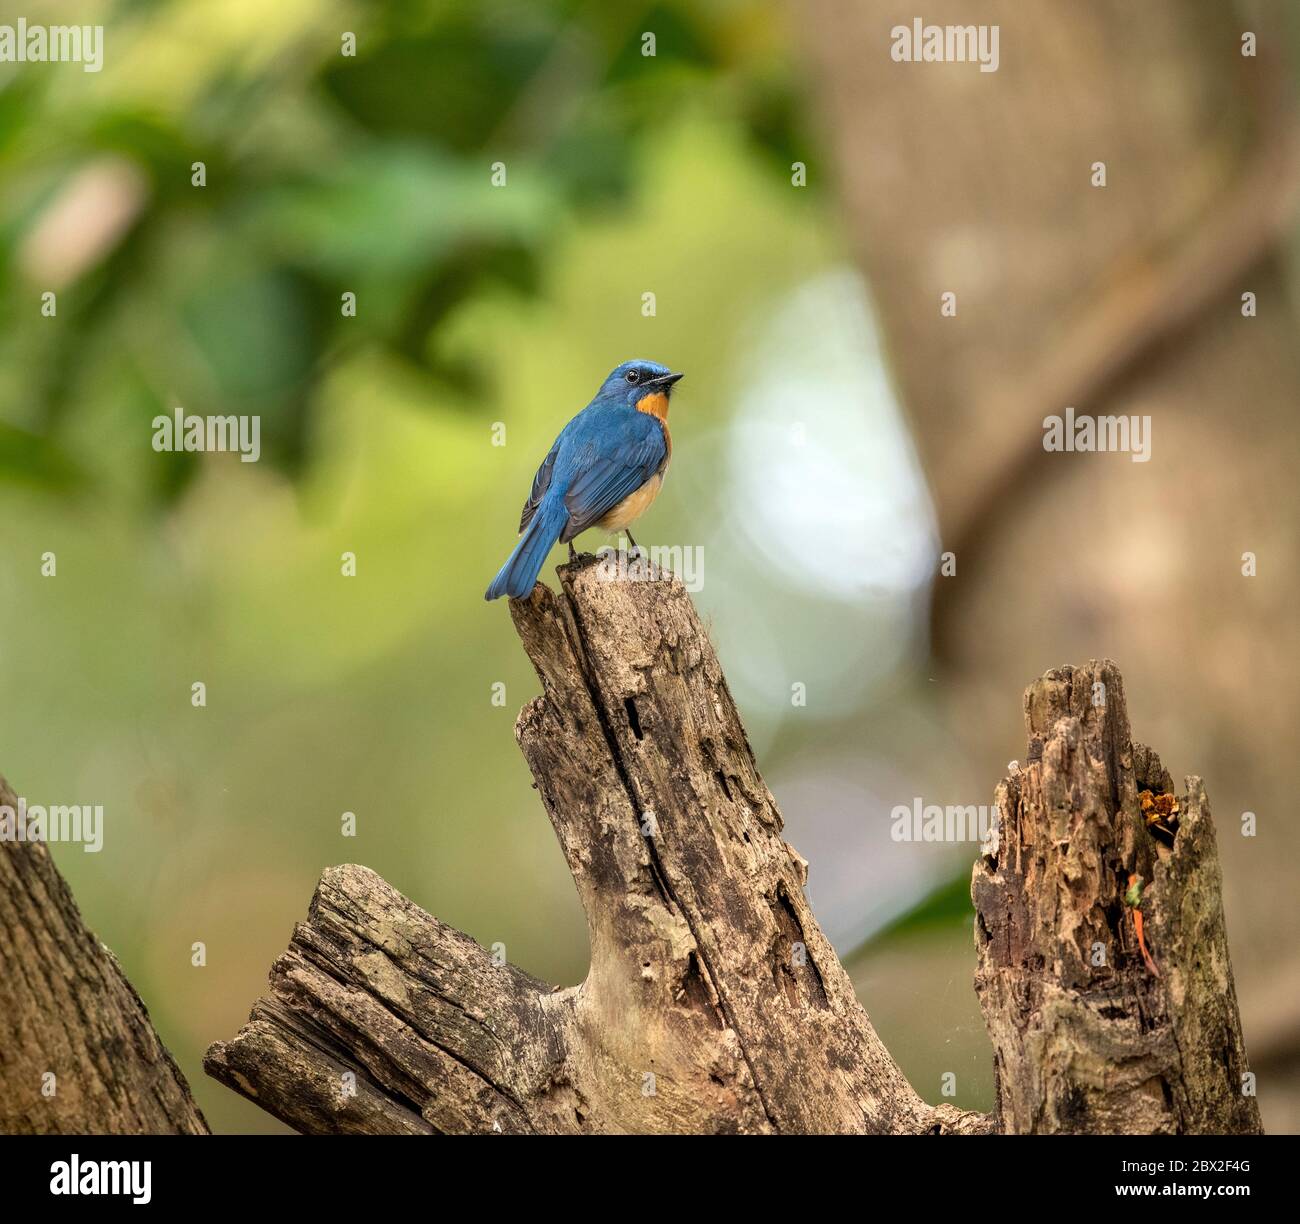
633 381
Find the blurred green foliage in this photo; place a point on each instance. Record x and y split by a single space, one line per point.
329 173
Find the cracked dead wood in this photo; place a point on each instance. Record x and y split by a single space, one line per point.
714 1003
79 1055
1087 1038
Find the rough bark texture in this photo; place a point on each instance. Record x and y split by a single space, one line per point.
714 1003
1087 1038
69 1011
382 1020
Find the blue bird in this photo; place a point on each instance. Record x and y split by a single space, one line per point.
605 469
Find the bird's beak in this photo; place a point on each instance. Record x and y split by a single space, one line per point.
663 382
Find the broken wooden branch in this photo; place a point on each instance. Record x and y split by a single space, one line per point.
714 1003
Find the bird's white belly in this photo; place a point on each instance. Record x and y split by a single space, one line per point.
633 506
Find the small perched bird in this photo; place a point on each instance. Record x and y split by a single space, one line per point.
605 469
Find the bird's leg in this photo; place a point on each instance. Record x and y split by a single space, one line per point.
634 550
573 556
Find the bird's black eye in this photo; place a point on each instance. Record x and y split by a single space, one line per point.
633 376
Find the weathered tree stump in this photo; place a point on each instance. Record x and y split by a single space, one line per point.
79 1056
714 1003
1087 1037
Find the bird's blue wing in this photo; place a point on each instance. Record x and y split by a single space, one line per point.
614 464
541 482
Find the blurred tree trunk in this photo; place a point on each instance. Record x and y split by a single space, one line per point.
80 1056
1122 299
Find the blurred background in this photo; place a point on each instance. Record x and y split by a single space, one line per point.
796 203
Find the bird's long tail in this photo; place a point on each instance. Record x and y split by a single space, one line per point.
520 571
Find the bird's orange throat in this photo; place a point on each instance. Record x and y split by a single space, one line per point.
656 404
